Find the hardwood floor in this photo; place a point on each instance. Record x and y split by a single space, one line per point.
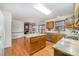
17 50
47 51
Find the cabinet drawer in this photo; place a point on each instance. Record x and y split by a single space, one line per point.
35 46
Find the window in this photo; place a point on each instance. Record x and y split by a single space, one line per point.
41 28
59 26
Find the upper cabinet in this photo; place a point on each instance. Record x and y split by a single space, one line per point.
50 25
76 26
76 11
69 22
69 25
76 14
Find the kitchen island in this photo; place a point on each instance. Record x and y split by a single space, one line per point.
66 47
34 42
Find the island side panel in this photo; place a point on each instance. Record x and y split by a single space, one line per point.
34 44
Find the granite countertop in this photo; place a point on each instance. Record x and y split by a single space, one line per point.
33 35
68 46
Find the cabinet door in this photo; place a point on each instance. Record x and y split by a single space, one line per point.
37 43
69 25
34 44
76 26
42 41
49 25
54 38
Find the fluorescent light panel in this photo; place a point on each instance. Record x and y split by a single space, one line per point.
42 8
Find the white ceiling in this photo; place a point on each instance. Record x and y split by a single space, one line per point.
25 11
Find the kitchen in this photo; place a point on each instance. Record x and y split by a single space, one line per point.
29 32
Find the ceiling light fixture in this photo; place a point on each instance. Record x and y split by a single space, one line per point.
42 8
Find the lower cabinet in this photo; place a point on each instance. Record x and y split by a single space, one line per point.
35 44
56 37
42 41
69 25
59 53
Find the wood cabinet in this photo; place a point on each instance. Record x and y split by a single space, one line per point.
76 26
34 44
69 25
50 25
60 53
56 37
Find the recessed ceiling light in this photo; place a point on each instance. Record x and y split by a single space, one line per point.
42 8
